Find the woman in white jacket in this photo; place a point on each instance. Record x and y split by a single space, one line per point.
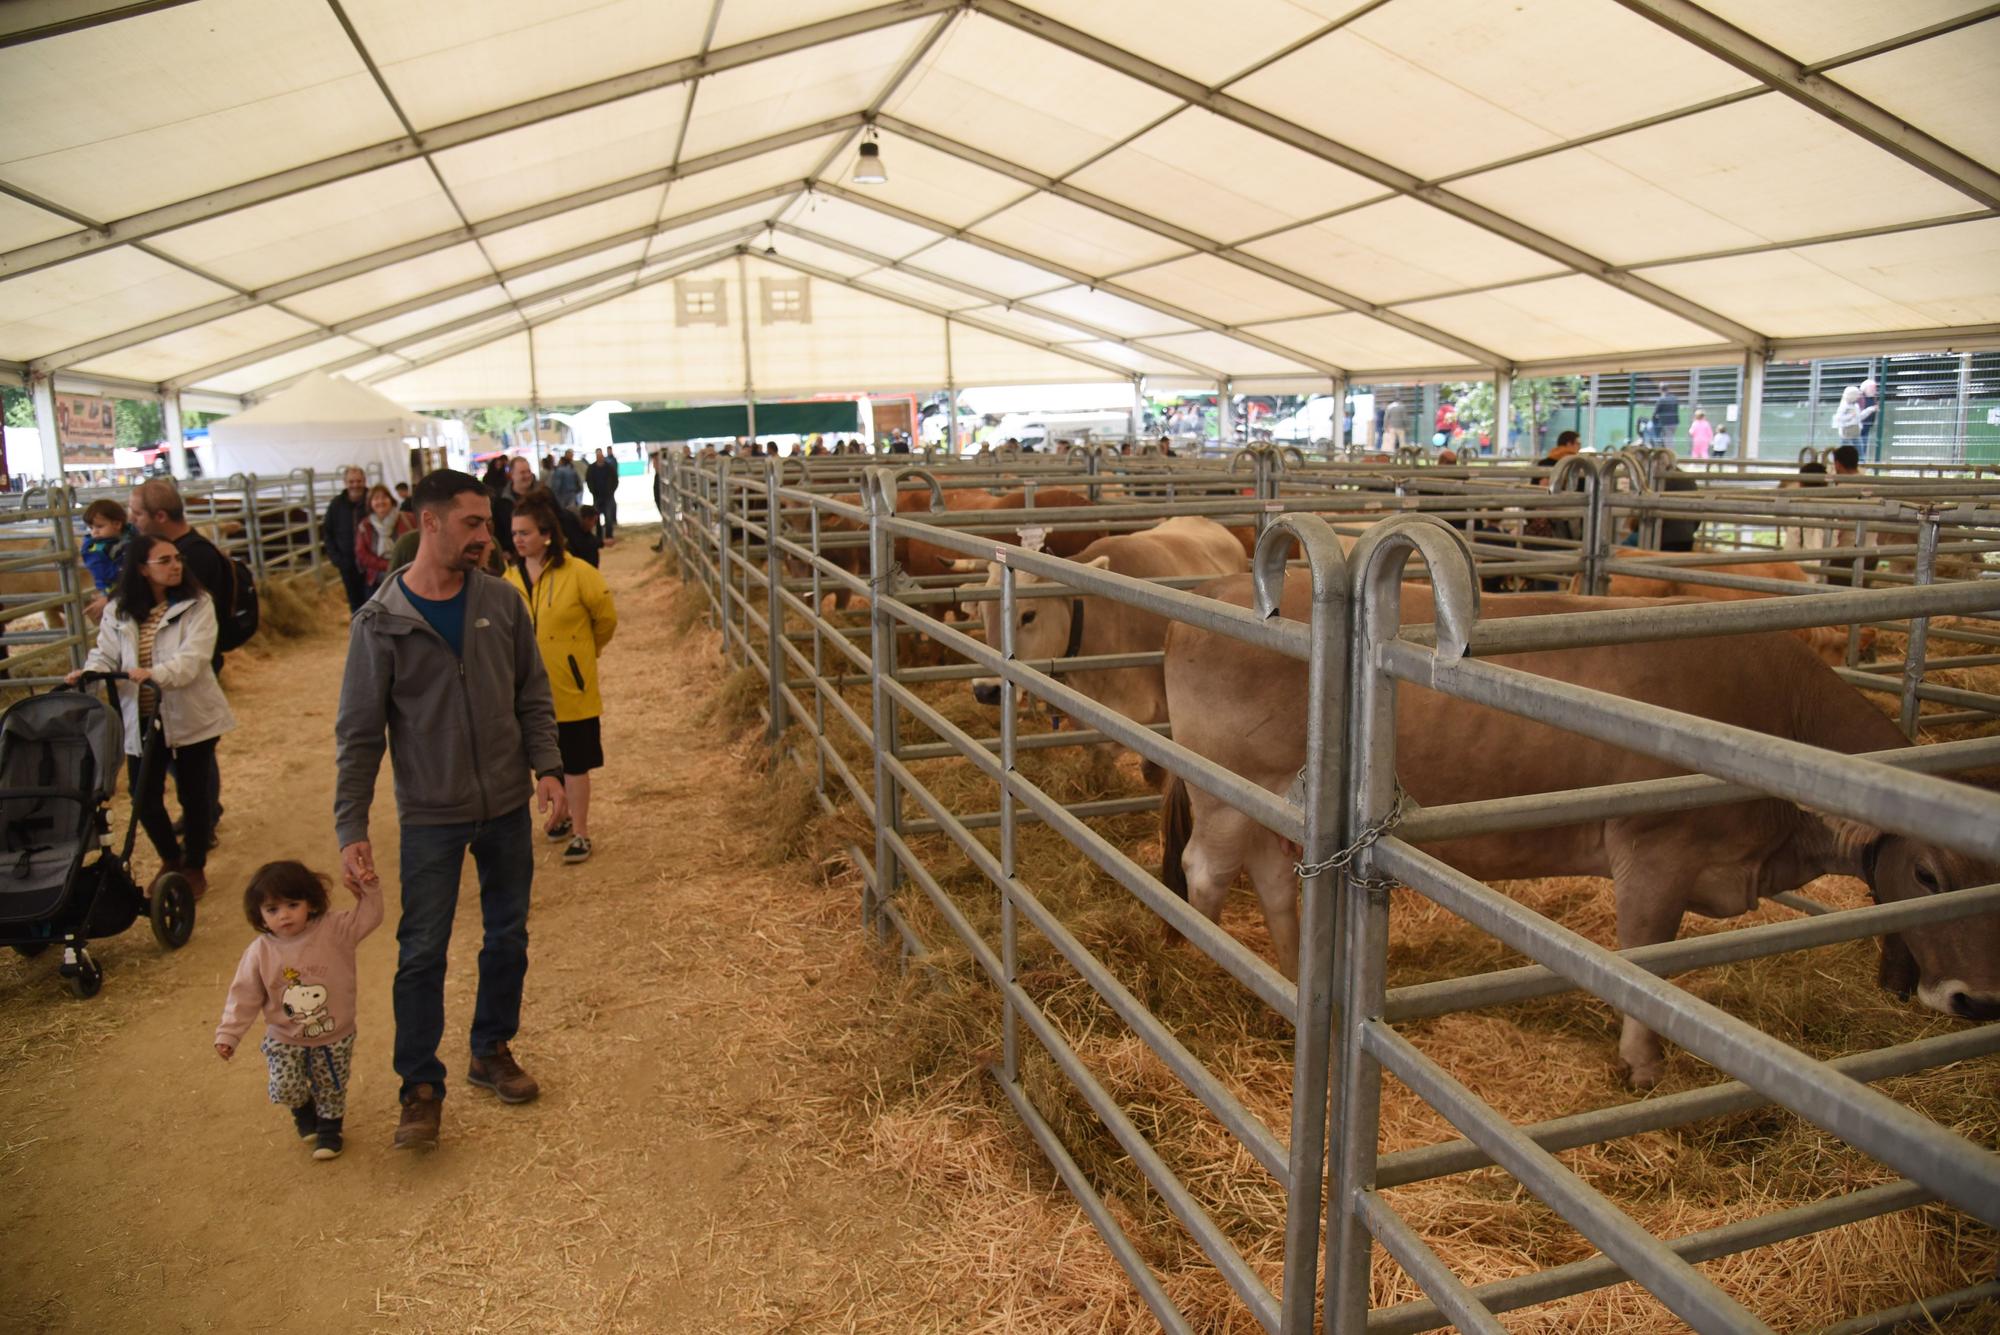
160 631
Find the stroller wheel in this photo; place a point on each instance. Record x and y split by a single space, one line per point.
87 981
172 910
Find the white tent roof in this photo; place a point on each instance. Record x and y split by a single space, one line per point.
1272 191
318 404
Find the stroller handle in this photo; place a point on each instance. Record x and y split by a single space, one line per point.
92 676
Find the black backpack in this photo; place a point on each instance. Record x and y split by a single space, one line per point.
236 616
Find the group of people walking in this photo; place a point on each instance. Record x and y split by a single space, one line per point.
481 686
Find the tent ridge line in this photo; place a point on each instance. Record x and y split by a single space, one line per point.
354 162
420 247
1024 304
1232 108
971 322
536 321
397 346
1078 278
1063 189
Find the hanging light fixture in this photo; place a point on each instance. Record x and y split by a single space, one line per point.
868 166
770 241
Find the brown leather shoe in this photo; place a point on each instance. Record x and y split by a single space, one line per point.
499 1072
418 1129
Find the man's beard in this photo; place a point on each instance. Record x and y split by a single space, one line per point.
468 558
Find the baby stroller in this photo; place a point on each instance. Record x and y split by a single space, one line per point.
60 878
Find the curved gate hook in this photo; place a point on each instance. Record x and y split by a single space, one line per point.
885 483
1377 563
1320 546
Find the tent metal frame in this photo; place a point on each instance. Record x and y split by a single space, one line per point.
1774 71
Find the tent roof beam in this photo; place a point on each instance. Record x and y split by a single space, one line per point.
1077 278
1235 109
279 185
949 317
1026 306
1816 92
1192 240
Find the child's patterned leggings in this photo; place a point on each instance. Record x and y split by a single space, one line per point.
317 1074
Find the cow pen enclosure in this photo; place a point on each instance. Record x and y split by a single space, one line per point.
271 524
1224 1123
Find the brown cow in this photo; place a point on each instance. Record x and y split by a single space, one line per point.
919 558
1050 627
1829 643
1245 708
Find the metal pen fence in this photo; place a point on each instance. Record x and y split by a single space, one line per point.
43 633
272 524
767 551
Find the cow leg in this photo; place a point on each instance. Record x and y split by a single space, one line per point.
1216 848
1273 871
1650 907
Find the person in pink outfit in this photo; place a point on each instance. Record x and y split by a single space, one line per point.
300 973
1700 434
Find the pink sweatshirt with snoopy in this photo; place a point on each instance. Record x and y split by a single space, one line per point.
305 985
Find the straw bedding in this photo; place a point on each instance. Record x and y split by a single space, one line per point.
946 1125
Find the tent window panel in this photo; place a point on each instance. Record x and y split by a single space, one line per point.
786 300
701 301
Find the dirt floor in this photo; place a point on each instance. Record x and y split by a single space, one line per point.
705 1156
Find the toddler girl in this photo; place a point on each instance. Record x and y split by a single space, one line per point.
300 973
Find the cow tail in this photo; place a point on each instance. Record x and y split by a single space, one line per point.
1176 827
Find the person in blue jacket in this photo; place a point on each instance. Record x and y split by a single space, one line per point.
104 549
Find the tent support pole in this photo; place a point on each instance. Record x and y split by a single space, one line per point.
1224 428
1503 414
1337 428
749 378
42 390
1753 403
1138 411
950 434
170 402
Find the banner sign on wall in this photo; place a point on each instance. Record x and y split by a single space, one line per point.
85 420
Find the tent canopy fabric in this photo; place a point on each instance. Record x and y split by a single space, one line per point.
321 421
1273 191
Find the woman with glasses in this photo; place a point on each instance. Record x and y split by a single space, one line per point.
159 630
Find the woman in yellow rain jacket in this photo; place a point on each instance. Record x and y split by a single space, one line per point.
574 618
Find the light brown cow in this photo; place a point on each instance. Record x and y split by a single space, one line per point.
1829 643
1245 708
918 558
1066 627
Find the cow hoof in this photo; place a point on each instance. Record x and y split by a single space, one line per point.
1646 1076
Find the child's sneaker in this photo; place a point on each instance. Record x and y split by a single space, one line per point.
578 851
329 1139
306 1118
558 832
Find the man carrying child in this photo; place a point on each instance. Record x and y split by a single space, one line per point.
443 660
104 550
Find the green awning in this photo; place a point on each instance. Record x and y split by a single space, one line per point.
662 425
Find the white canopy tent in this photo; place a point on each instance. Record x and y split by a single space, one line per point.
321 421
656 202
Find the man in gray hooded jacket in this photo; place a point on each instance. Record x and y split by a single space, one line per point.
443 659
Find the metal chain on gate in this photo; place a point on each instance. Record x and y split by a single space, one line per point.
886 581
1343 859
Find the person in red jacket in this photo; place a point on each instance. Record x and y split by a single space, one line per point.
376 533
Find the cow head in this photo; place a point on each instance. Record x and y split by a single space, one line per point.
1953 967
1041 625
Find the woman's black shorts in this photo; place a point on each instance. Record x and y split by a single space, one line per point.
581 744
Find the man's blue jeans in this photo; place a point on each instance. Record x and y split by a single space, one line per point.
433 859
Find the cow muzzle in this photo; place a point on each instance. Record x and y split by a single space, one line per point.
987 693
1954 997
